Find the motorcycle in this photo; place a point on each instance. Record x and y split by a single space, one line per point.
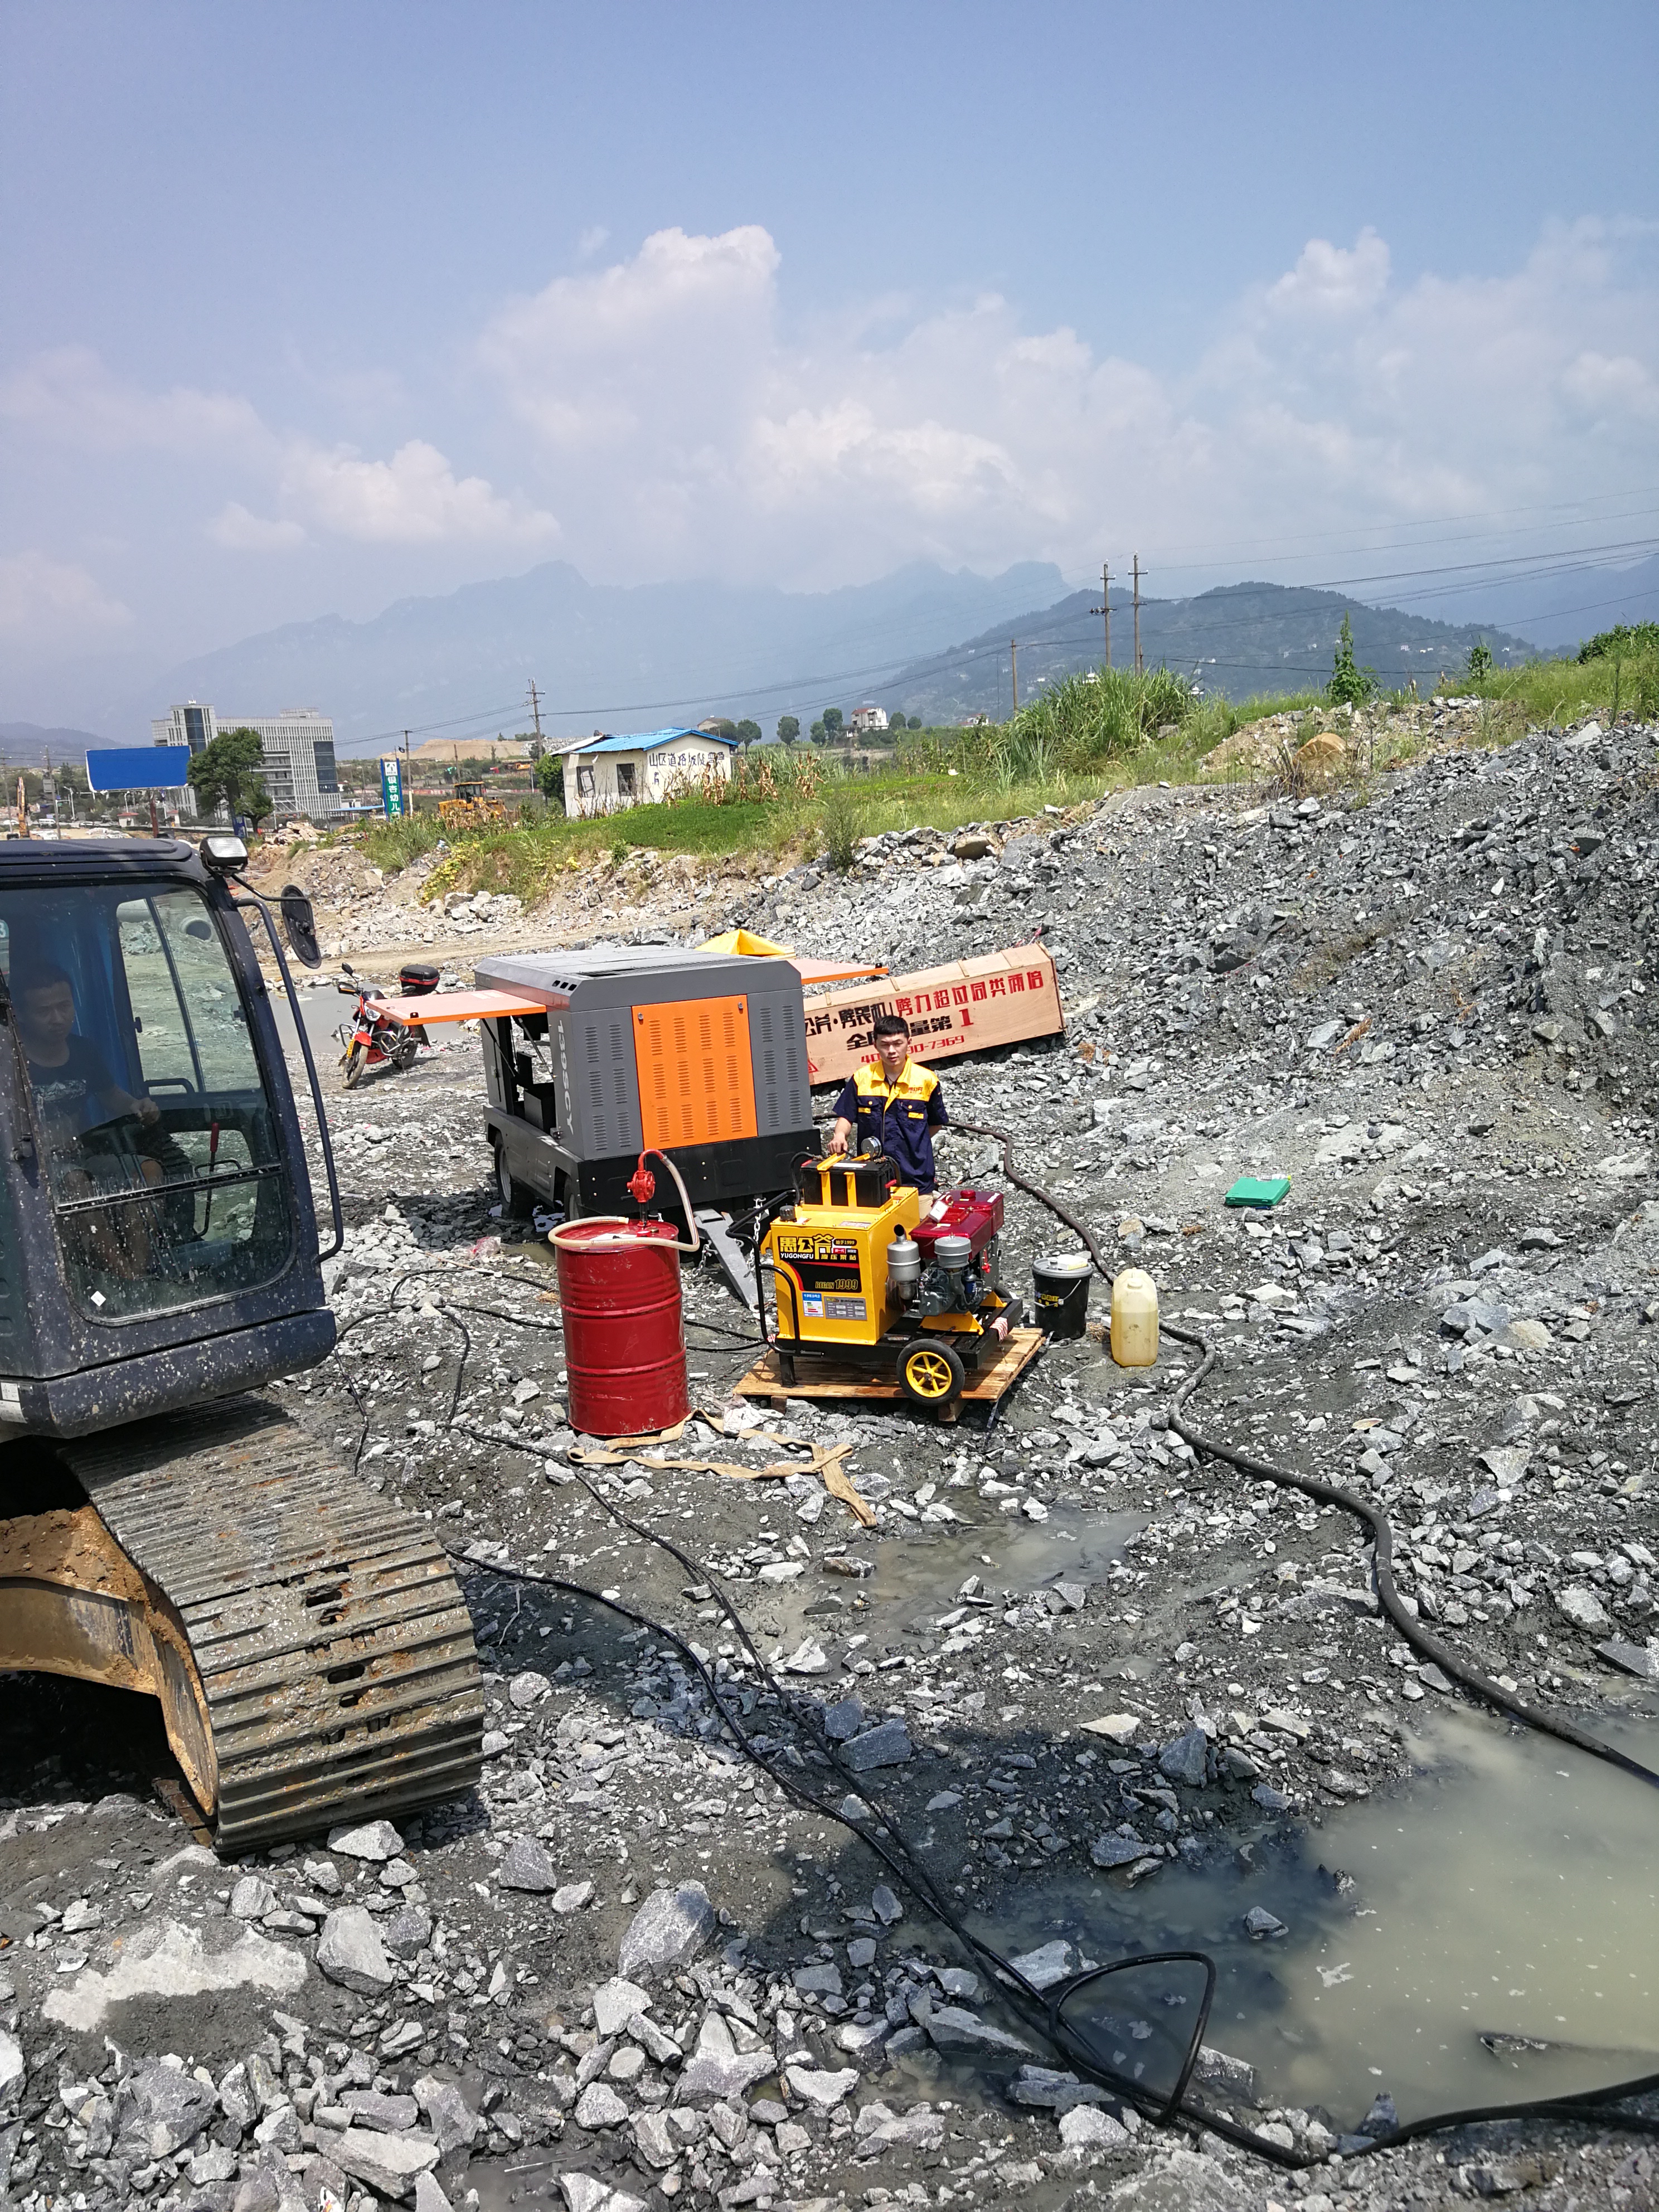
372 1039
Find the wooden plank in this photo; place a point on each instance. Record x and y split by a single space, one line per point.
823 1378
995 1382
832 971
436 1006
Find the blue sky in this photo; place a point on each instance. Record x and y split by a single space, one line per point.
309 307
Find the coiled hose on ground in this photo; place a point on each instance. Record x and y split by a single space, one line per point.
1411 1629
884 1836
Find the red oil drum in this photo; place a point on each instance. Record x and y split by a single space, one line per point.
624 1334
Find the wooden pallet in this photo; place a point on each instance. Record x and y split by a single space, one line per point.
826 1378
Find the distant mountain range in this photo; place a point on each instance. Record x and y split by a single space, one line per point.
635 657
1560 611
1241 640
31 744
602 655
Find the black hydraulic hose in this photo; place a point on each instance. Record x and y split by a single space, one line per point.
1452 1663
891 1846
1591 2106
1455 1666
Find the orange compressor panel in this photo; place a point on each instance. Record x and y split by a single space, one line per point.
696 1075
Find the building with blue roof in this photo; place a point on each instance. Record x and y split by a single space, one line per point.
604 775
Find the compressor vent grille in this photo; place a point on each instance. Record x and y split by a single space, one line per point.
696 1075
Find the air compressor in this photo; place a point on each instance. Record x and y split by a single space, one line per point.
866 1272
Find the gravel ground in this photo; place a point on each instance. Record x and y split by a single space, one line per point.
1080 1672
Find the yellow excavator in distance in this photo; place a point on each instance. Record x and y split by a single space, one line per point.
469 806
160 1529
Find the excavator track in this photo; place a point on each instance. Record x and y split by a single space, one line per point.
329 1654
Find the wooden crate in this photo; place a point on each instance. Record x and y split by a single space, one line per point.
831 1379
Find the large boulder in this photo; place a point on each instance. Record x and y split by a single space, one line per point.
671 1926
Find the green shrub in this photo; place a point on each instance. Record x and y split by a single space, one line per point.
1100 715
393 845
840 823
1350 686
1623 639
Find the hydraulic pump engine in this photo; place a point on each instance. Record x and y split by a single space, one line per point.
865 1273
956 1255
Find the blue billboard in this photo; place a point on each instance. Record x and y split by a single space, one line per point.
138 768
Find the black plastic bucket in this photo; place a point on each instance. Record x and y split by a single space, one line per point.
1061 1280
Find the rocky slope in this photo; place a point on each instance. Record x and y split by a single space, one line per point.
1114 1697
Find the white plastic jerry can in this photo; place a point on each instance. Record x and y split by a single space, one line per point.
1134 1319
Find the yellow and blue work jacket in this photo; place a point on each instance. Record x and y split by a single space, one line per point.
898 1117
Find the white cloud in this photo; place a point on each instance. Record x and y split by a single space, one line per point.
660 354
677 421
67 394
1334 280
46 603
1610 387
687 431
414 499
243 532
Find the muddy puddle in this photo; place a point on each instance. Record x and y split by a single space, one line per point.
920 1572
1487 1933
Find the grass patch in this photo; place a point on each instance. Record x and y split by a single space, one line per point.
1068 749
1561 691
393 845
840 824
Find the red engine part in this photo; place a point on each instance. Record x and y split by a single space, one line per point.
974 1214
625 1335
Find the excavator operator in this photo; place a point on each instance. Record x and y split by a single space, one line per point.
76 1096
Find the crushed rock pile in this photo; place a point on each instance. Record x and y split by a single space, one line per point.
1075 1663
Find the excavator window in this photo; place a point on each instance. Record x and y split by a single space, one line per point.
160 1151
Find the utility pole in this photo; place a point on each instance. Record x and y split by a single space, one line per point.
1105 609
1137 614
1013 672
536 715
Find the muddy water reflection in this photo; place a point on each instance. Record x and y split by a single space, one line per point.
920 1571
1487 1934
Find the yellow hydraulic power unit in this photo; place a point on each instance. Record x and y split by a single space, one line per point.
867 1272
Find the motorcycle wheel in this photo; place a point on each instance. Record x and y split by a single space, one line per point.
355 1060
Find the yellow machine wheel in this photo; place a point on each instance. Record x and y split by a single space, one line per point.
930 1372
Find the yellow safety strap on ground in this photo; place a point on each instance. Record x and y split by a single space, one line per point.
827 1461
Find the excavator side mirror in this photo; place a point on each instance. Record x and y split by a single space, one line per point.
300 927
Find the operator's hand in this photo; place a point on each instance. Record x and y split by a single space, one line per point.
837 1142
148 1112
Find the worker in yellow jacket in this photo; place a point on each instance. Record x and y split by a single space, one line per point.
894 1104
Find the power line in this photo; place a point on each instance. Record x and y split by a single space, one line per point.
1248 550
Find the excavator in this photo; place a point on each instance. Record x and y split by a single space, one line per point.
472 807
162 1529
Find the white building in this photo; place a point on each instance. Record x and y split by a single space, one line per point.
602 775
296 748
866 719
